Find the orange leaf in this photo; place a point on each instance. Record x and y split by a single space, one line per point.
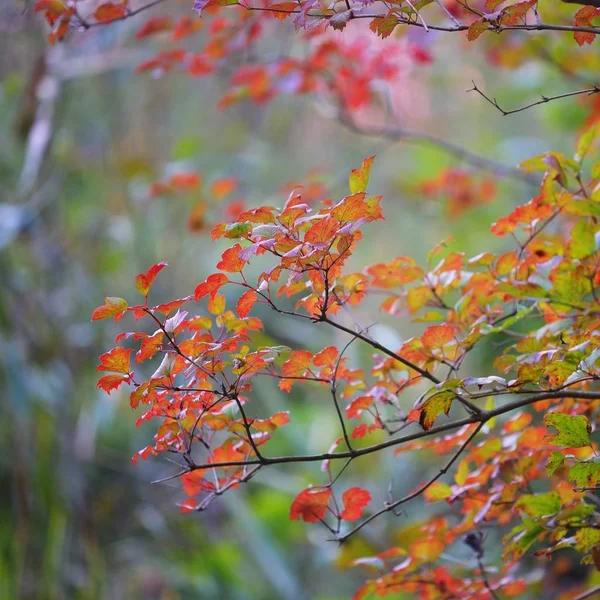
110 12
223 187
211 286
144 281
149 347
583 18
154 25
327 357
231 261
437 336
116 361
111 382
355 499
323 231
113 307
310 505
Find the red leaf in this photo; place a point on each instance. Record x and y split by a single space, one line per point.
110 12
245 303
149 347
154 25
310 505
144 281
583 18
354 499
116 361
211 286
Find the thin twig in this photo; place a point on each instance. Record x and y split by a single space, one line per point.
390 506
588 92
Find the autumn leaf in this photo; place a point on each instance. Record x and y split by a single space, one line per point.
211 286
437 336
540 505
116 361
310 505
113 307
144 281
245 303
433 407
110 12
355 500
583 18
231 261
359 178
108 383
154 25
384 26
437 491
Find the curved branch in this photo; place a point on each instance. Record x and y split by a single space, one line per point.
481 418
390 506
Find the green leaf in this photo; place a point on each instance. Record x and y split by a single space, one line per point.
583 242
585 143
518 541
238 230
573 430
555 461
540 505
586 538
359 178
585 474
434 406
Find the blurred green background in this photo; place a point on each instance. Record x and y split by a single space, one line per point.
77 222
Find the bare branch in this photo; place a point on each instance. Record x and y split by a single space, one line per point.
391 506
588 92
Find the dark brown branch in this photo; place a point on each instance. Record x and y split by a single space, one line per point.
378 346
407 21
482 418
588 92
486 581
391 506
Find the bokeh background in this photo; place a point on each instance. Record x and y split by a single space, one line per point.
78 156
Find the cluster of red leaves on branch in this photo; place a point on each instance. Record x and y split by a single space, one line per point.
531 476
473 18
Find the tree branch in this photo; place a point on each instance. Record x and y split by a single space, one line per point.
588 92
390 506
481 418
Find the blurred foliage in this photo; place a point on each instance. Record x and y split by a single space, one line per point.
78 521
